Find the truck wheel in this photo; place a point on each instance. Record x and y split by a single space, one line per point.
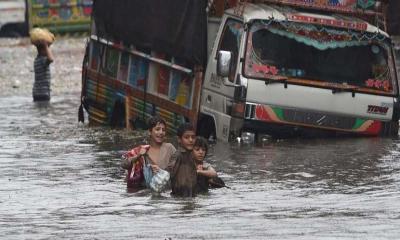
117 119
390 129
10 30
206 127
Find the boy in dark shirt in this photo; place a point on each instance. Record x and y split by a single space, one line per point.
205 171
181 166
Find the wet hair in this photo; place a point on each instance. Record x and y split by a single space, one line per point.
153 121
184 127
201 142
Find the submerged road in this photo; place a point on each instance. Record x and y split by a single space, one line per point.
62 180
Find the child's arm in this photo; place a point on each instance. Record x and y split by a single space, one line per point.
49 54
207 171
44 50
132 156
127 162
172 161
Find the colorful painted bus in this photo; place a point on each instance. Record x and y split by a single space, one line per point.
59 16
18 17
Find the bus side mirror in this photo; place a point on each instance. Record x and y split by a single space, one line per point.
224 59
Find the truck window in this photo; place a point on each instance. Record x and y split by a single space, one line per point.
310 56
230 41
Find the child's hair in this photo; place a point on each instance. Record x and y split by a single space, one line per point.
183 128
153 121
201 142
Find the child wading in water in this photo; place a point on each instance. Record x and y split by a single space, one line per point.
157 153
42 39
181 165
204 170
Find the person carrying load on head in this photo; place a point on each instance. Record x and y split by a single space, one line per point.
42 39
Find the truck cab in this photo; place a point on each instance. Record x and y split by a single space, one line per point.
276 70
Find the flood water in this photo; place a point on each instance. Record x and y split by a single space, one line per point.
62 180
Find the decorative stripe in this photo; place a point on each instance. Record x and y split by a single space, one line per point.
323 121
102 94
143 55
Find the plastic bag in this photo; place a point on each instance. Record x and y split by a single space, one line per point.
148 174
156 182
159 181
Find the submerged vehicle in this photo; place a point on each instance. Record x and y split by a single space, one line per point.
12 17
18 17
276 67
59 16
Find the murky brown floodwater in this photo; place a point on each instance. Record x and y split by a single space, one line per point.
62 180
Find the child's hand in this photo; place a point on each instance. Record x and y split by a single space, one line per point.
155 168
142 151
200 172
132 160
199 167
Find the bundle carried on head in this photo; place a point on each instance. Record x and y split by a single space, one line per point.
41 35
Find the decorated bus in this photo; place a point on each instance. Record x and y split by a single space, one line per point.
59 16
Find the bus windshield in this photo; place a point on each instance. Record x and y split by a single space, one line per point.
319 56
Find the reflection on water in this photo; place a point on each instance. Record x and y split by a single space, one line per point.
335 164
60 179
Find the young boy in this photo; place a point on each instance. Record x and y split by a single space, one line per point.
204 170
181 166
41 86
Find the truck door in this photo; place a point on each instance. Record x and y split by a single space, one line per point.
216 102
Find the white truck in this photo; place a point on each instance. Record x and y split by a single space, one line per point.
276 67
